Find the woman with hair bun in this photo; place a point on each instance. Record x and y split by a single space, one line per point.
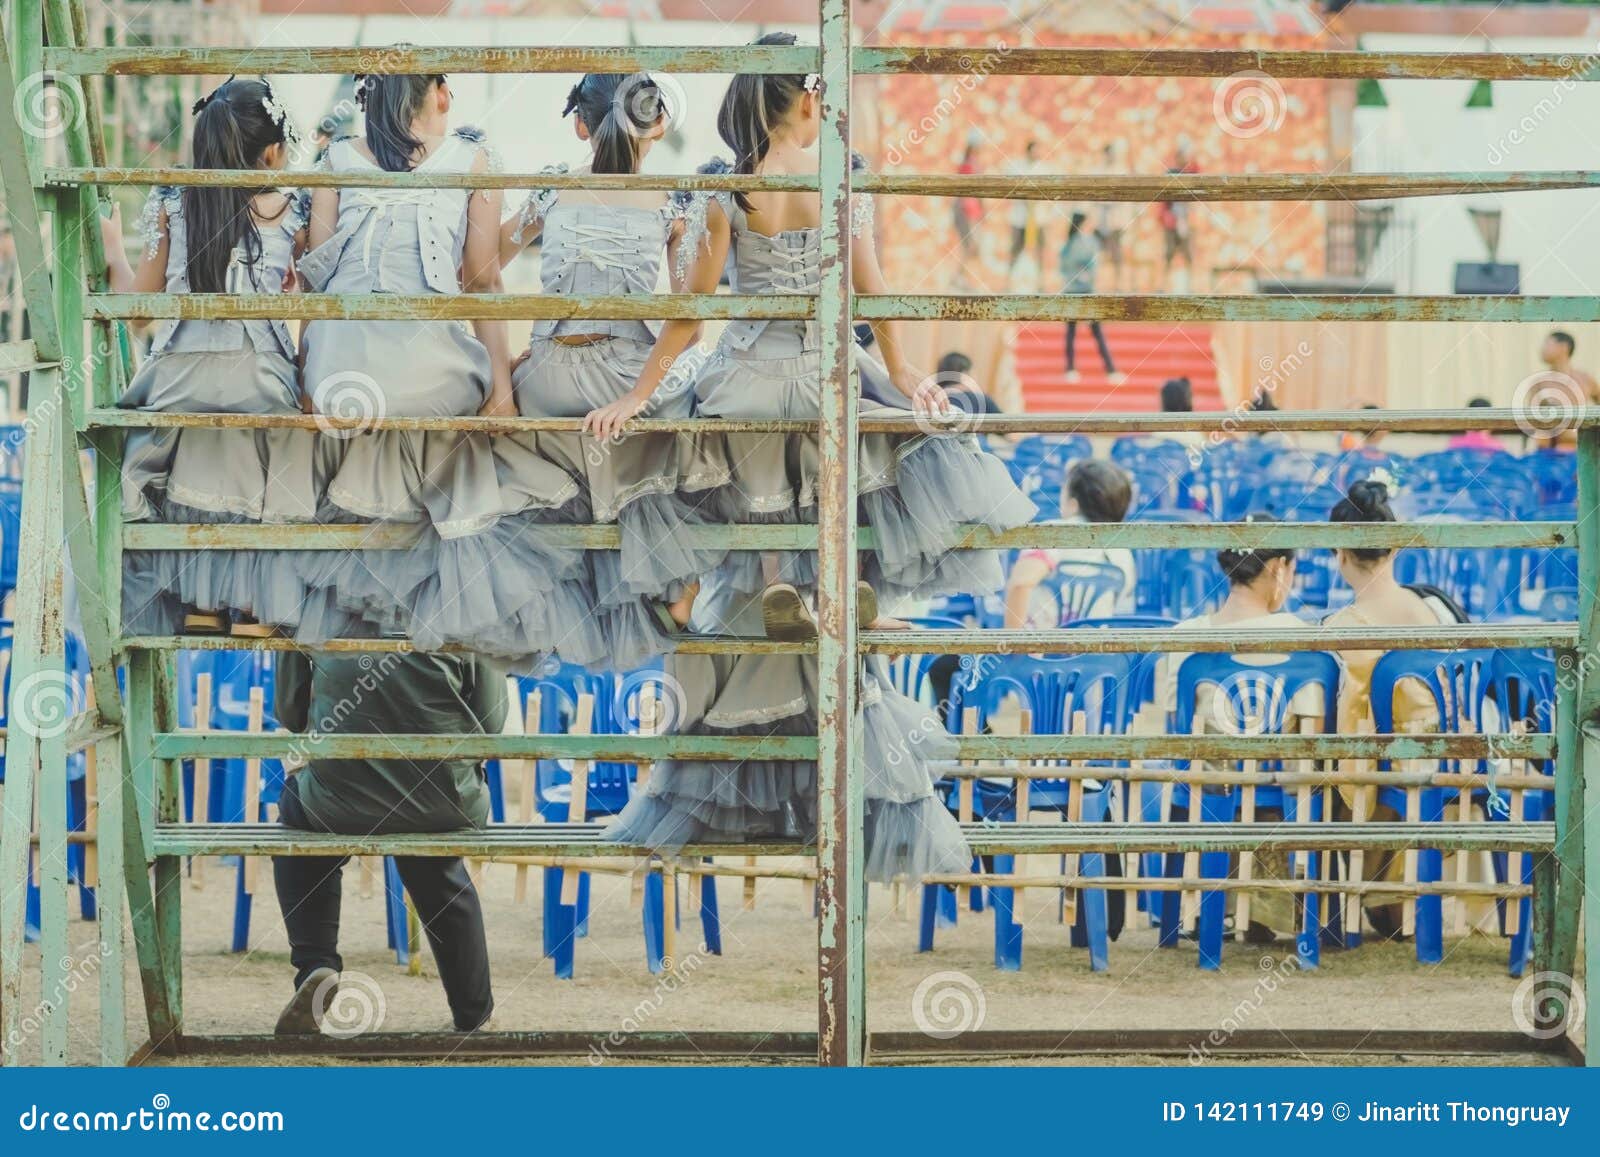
1381 600
1259 584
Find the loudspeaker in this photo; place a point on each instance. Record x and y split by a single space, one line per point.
1488 277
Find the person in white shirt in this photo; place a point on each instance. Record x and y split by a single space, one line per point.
1095 491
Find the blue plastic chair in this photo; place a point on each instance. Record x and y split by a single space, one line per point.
1142 687
1150 563
1192 583
1554 474
1522 686
1053 689
1559 604
909 673
1248 698
1078 588
1458 683
610 786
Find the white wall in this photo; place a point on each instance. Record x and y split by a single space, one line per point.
1534 125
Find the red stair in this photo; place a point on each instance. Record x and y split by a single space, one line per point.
1147 352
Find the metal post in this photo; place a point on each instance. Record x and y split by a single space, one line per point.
1585 762
841 972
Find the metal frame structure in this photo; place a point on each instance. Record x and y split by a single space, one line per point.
138 749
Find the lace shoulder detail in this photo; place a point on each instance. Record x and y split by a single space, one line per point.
298 214
538 204
476 137
862 215
164 203
693 207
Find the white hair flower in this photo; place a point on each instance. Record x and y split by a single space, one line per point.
1382 476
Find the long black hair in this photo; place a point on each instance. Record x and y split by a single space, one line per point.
1366 501
233 127
750 107
617 109
390 104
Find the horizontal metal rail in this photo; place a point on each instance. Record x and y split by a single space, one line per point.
890 1047
769 59
1297 887
630 748
1057 536
16 356
379 179
1453 636
867 307
1498 419
174 839
688 644
420 307
1244 187
1145 773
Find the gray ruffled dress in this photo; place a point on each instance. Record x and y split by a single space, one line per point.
909 831
650 484
913 487
509 597
216 475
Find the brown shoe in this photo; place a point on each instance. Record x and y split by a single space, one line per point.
205 623
866 605
302 1016
786 616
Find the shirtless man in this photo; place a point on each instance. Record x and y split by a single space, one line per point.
1556 354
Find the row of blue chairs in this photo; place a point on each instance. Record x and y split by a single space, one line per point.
1474 691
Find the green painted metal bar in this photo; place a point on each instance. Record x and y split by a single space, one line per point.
450 307
19 356
1581 794
1505 420
168 882
1282 65
1224 307
205 61
177 745
1246 187
1062 536
688 645
110 895
318 179
1180 639
868 307
138 849
22 209
948 61
1566 897
586 840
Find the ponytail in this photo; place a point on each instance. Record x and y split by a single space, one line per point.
389 104
619 111
233 127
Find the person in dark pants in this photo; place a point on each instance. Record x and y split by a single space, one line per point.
380 694
1080 254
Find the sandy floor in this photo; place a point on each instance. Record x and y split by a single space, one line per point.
765 979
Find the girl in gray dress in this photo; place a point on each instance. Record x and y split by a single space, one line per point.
510 597
651 485
217 240
913 489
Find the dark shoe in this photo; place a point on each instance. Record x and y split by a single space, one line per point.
786 616
302 1016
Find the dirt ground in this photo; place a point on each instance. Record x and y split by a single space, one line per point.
765 978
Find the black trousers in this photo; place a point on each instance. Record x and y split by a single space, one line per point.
310 890
1099 340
